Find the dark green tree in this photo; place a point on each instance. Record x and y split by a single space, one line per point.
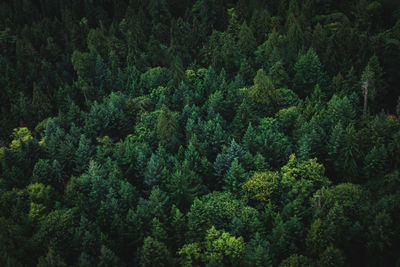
308 71
154 253
184 186
153 172
167 128
234 177
247 43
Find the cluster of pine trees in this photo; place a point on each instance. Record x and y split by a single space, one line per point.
199 133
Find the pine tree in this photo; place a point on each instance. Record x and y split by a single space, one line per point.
249 139
263 90
83 155
154 253
295 36
246 70
375 163
178 228
184 186
152 174
41 102
234 178
233 25
167 128
278 75
247 43
319 39
177 70
308 72
244 116
350 153
260 24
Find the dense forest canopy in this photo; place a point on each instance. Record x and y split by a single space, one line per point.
200 133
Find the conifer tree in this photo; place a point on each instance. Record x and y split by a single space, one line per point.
263 90
167 127
260 24
247 43
278 75
234 178
308 72
83 154
154 253
152 174
41 102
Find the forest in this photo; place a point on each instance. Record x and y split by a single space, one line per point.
199 133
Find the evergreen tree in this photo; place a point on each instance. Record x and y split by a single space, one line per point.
247 42
152 174
83 155
41 102
260 24
184 186
319 40
234 177
375 163
295 35
154 253
249 139
167 128
242 119
278 75
263 90
308 72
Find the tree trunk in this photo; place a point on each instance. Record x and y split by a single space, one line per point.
365 89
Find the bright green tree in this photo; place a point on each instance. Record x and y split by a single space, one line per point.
262 186
223 248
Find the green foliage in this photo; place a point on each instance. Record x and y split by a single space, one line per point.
219 209
269 141
154 253
41 102
234 177
247 42
257 252
153 172
260 24
295 260
222 248
190 254
262 186
222 52
184 186
278 74
51 259
81 61
308 73
263 90
140 133
167 127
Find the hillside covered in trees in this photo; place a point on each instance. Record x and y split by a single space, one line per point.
200 133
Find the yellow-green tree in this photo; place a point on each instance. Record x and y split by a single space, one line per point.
263 90
262 185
